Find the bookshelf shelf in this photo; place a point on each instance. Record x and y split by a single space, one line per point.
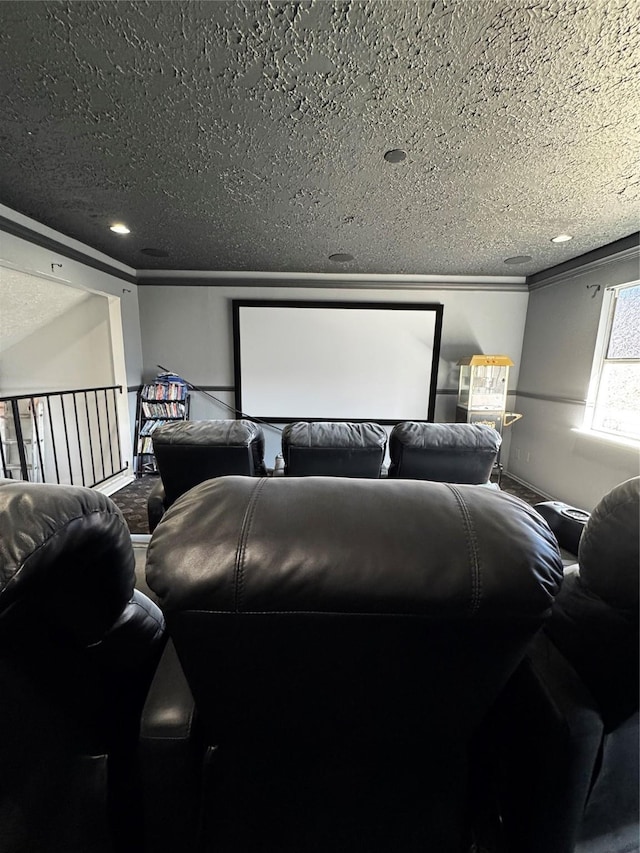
161 401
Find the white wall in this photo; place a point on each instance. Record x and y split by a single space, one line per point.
188 329
76 344
547 451
124 319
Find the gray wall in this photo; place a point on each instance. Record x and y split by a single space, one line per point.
189 330
548 449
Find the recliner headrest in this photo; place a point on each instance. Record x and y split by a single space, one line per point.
329 545
463 437
449 453
227 433
67 550
188 452
608 554
337 448
341 434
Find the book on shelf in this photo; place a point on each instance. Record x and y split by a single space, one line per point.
165 409
146 445
165 389
149 427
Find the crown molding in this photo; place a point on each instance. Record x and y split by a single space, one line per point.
60 247
339 281
627 247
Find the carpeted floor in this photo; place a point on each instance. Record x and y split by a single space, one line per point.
132 500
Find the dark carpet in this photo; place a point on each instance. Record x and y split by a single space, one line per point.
132 500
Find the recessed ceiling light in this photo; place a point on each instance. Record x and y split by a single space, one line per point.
518 259
119 228
562 238
341 257
396 155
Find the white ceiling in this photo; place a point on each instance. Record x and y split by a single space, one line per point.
248 136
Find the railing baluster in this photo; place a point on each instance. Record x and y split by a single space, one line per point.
66 436
17 427
75 409
115 411
95 395
34 416
3 460
93 464
53 438
106 408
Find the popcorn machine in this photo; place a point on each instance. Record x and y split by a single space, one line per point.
482 391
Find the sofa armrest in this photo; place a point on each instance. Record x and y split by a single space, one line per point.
566 522
540 752
156 505
171 754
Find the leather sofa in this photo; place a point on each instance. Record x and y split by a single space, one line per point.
446 453
338 643
564 734
189 452
78 648
338 449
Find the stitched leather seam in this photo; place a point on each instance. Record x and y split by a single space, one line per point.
472 550
241 551
432 617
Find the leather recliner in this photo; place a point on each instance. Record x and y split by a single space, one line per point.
338 449
565 731
78 648
342 640
189 452
445 453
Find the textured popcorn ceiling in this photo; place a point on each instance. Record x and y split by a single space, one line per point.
251 135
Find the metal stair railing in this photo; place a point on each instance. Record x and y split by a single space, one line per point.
70 437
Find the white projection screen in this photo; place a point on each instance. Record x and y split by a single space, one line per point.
346 361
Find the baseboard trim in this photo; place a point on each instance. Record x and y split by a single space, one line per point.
115 483
529 486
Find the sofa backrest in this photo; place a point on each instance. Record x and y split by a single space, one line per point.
78 647
445 453
189 452
342 639
337 449
594 622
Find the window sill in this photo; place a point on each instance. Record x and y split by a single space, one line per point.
606 438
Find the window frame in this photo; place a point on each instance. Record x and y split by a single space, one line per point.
600 360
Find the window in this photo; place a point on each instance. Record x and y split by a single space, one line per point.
613 404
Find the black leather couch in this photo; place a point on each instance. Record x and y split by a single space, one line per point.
342 640
337 449
189 452
445 453
564 733
78 648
